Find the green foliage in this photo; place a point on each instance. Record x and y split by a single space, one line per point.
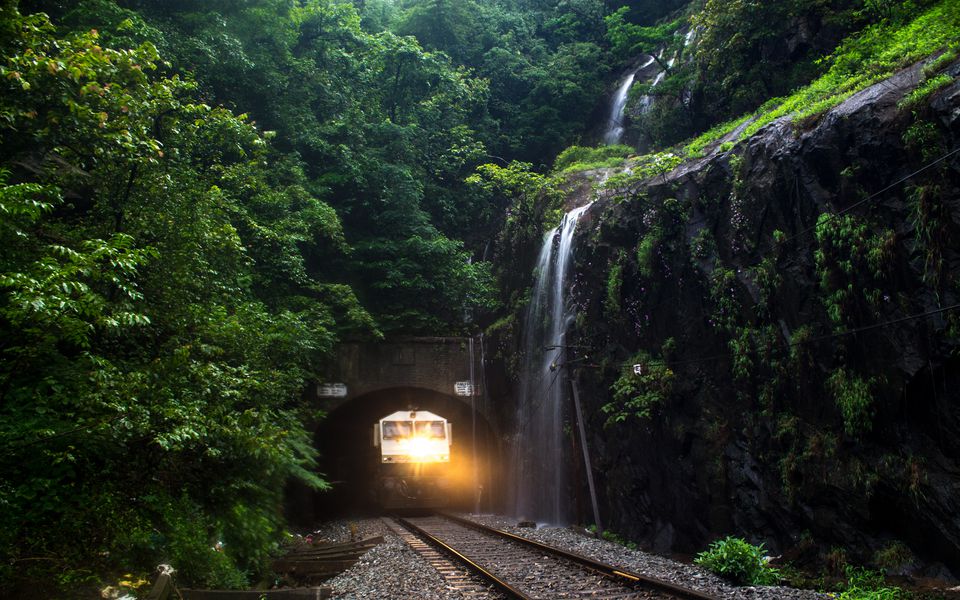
741 349
723 292
863 584
863 59
741 55
922 138
696 147
703 246
889 9
613 537
941 61
873 55
530 204
629 40
642 169
646 251
546 65
739 561
767 278
187 543
159 315
893 556
851 264
854 398
611 302
924 91
581 158
373 132
638 395
931 230
422 284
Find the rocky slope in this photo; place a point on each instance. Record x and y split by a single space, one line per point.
787 394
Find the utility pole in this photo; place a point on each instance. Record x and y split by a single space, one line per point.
586 455
473 412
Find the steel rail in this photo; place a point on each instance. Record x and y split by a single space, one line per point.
500 584
610 570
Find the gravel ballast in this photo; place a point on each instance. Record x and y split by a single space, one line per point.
643 562
390 571
393 571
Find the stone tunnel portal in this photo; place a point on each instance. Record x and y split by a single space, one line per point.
373 379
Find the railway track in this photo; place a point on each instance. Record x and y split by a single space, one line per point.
457 576
527 570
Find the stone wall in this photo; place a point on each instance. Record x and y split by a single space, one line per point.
437 364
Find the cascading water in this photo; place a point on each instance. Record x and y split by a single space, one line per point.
647 101
615 126
615 129
539 482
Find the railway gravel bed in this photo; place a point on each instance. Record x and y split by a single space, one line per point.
393 571
532 572
390 571
645 563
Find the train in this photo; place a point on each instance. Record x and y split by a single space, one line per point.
413 471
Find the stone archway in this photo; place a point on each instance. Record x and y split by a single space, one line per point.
438 364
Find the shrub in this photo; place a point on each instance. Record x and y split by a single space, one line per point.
863 584
582 158
739 561
636 394
615 538
611 304
854 397
893 556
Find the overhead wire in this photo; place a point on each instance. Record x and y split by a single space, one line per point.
535 407
859 203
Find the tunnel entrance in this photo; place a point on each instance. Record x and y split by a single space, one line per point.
350 461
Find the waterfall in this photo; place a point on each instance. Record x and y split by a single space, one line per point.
614 130
539 483
615 127
647 101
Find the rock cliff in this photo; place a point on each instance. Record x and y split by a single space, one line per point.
788 391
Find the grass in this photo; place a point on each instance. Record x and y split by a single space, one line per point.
713 135
923 92
862 60
584 158
863 584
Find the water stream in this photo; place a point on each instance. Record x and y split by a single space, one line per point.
540 487
615 128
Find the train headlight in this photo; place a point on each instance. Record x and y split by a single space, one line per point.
423 449
420 448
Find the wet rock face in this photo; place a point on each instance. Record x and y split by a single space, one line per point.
793 419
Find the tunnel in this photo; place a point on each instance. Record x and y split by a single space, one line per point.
349 461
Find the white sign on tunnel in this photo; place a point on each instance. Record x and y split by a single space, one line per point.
332 390
463 388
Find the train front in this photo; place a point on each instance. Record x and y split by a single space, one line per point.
414 460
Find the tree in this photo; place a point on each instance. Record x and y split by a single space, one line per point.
152 375
630 40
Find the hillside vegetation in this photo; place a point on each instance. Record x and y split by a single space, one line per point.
198 200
